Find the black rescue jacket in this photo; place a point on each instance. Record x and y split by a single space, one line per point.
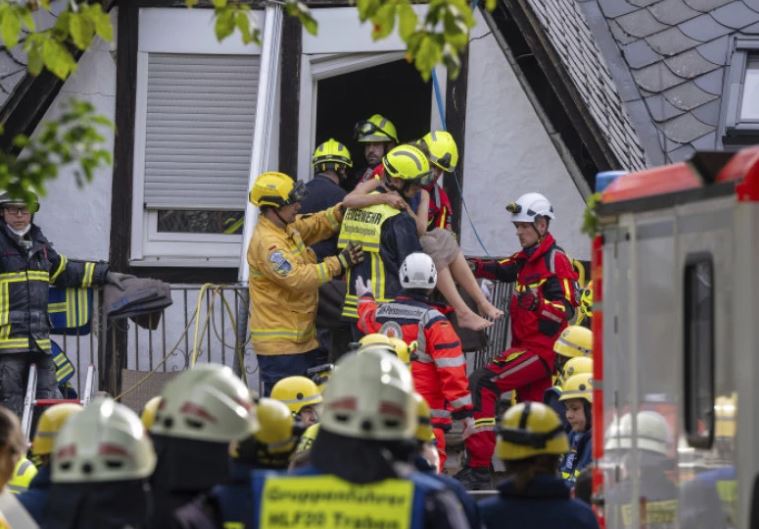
28 266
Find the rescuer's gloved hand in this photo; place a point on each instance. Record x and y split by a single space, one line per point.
351 255
468 427
117 279
528 300
363 288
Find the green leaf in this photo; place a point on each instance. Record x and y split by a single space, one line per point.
10 28
27 19
101 21
191 3
57 59
82 30
243 24
427 56
219 4
225 24
383 21
407 21
34 60
307 19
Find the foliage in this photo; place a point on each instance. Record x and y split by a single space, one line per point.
72 139
590 217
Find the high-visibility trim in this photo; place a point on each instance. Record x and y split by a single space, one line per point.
567 289
84 305
89 272
558 305
323 272
283 333
584 350
550 316
27 275
423 357
466 400
60 268
450 362
519 367
5 328
440 414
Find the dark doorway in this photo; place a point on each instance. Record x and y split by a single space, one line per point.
395 90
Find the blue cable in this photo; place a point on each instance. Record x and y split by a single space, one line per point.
441 111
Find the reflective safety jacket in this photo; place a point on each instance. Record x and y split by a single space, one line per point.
28 267
439 369
307 498
34 499
22 476
548 273
579 456
285 279
388 236
544 504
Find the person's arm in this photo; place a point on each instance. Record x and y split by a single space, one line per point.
318 226
279 265
444 346
554 302
367 315
74 273
362 197
499 269
422 213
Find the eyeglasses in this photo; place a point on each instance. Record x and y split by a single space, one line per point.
365 128
17 210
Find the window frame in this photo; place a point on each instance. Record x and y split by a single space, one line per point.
736 130
692 384
178 31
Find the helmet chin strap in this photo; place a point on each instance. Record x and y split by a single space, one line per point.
283 221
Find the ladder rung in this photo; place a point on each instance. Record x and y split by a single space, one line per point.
52 402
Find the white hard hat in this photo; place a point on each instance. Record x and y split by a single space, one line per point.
370 396
206 403
418 271
104 442
653 433
529 206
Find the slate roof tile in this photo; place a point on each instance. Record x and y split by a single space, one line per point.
751 30
752 4
639 54
708 142
642 3
640 23
672 12
681 153
616 8
619 33
656 78
708 113
735 15
661 109
706 5
711 82
716 51
671 42
687 96
689 64
685 128
703 28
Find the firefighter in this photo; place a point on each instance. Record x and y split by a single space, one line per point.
439 369
391 344
577 398
23 474
28 266
387 234
573 342
230 504
377 135
50 423
662 505
368 425
331 162
285 277
12 449
586 306
301 395
101 464
531 441
202 410
542 303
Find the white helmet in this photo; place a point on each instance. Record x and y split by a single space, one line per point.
206 403
653 433
104 442
418 271
530 206
370 396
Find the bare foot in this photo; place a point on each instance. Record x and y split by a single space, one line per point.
490 311
470 320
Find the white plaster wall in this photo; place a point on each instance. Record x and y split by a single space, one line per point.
78 220
508 153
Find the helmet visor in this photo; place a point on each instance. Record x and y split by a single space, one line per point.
367 128
444 162
297 194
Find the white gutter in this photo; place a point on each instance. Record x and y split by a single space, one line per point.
265 108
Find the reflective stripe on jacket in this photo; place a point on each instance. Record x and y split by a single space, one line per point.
439 370
25 278
548 273
285 279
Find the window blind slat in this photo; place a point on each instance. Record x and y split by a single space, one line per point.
201 112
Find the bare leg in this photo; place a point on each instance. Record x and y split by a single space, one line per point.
465 278
466 317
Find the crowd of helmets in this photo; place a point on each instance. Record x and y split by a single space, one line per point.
194 456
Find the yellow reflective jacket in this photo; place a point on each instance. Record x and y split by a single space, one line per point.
285 280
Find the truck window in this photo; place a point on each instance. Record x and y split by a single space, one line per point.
698 311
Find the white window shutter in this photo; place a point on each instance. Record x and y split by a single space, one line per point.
199 130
